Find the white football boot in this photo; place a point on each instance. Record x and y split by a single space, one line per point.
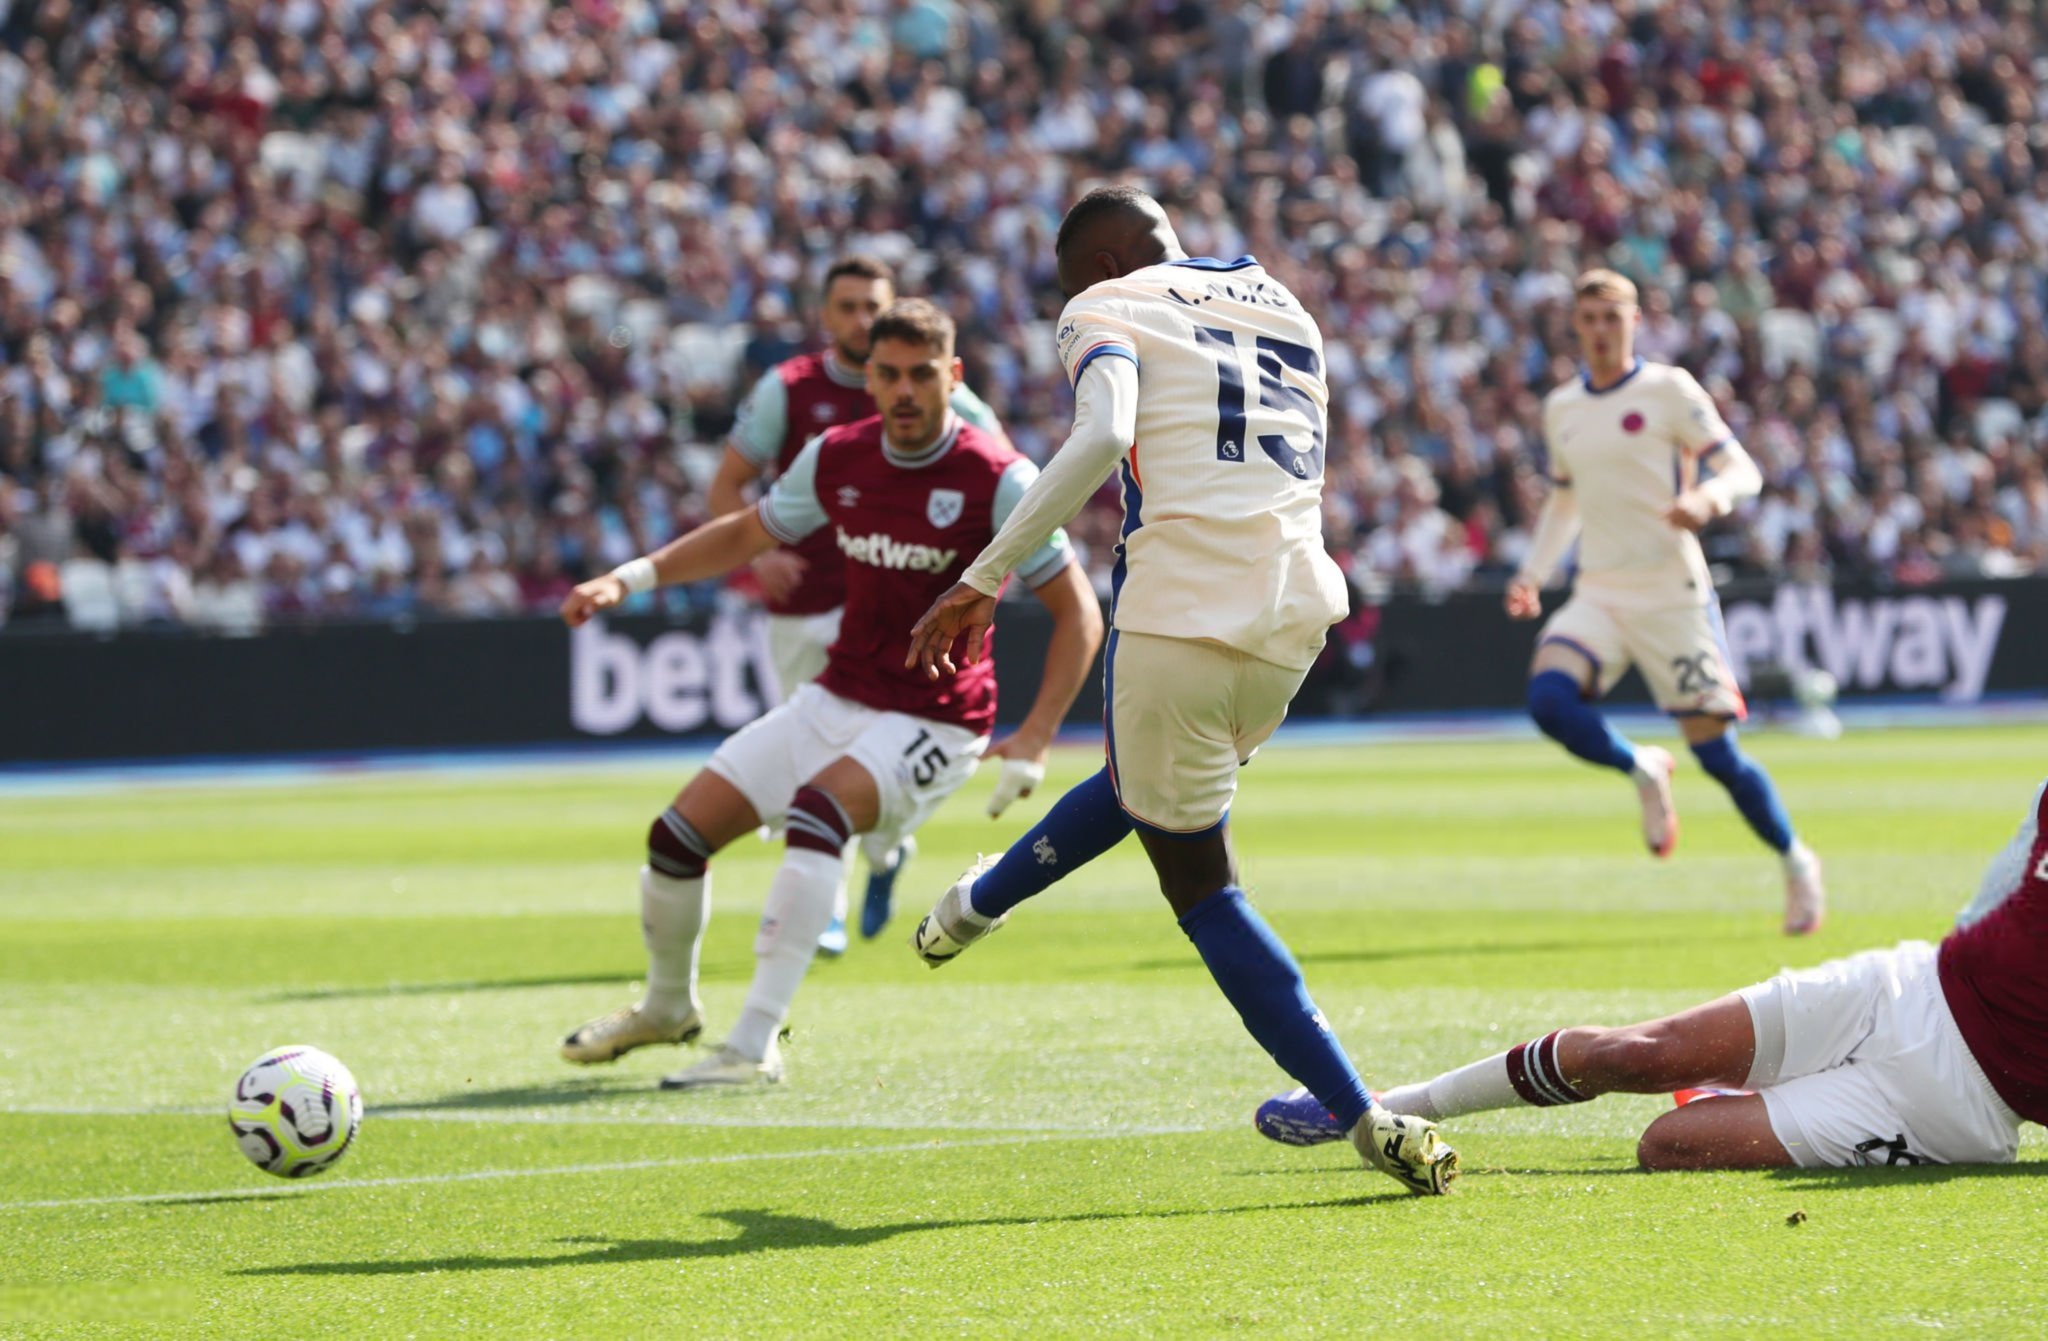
1406 1149
952 925
1652 776
727 1068
610 1037
1806 900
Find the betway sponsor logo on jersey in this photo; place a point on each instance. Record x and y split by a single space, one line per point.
1885 643
883 551
679 681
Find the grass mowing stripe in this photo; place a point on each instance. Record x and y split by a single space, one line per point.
494 1175
539 1119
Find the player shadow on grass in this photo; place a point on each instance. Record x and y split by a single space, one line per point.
1915 1174
621 978
1463 949
559 1094
761 1231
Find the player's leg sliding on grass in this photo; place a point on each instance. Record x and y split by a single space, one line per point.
1911 1055
1643 595
1220 609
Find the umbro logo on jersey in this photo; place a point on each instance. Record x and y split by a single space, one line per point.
944 507
883 551
824 412
848 496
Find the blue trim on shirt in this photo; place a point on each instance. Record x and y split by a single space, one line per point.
1109 709
1134 504
1587 378
1118 351
1211 263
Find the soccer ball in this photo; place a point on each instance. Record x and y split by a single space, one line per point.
295 1111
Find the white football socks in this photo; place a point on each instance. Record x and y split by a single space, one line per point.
672 917
1469 1089
799 906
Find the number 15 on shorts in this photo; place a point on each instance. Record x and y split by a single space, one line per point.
927 759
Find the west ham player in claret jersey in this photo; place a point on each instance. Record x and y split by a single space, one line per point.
1199 384
804 585
1628 442
909 499
1914 1055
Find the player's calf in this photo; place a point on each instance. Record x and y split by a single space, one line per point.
675 898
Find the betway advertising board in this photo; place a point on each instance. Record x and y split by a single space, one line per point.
471 684
1902 644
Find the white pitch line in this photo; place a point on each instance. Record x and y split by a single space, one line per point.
542 1118
490 1175
528 1117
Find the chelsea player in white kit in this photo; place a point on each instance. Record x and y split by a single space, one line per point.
1627 444
1199 382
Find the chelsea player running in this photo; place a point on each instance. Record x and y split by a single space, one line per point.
1223 596
1627 441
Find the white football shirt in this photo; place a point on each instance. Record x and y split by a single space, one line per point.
1625 452
1223 532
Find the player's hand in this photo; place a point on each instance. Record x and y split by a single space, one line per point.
1523 601
599 593
961 610
1023 759
779 571
1691 510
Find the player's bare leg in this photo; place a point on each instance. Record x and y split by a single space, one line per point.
1563 681
1709 1045
839 801
675 901
1749 786
1198 875
1730 1131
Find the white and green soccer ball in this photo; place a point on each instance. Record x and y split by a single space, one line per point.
295 1111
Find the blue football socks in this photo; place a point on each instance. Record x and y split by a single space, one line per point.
1751 788
1081 826
1560 708
1255 970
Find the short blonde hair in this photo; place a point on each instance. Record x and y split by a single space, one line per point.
1607 285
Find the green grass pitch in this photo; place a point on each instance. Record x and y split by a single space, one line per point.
1050 1137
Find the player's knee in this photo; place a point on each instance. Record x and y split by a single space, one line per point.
675 848
817 822
1661 1147
1553 697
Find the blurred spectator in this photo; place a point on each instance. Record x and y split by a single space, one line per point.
386 309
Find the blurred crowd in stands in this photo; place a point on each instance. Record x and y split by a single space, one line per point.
385 308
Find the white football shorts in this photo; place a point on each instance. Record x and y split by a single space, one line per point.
798 644
916 764
1681 651
1859 1062
1181 715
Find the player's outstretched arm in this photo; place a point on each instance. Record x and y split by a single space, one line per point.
1069 656
1735 478
1556 528
711 550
